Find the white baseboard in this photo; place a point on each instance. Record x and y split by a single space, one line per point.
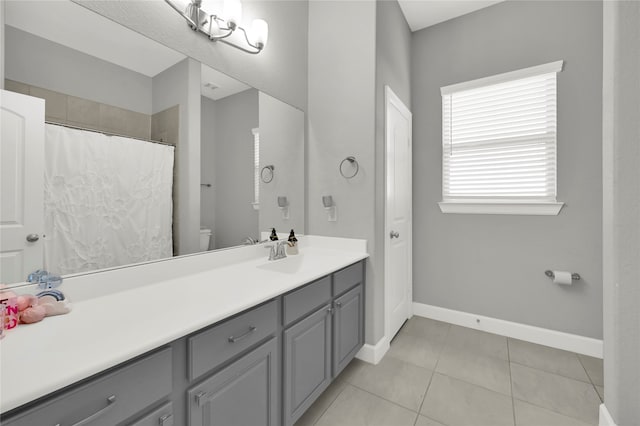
373 353
605 417
542 336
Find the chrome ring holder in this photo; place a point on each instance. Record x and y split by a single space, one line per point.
354 164
266 174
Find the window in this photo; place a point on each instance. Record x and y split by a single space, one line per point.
256 168
499 143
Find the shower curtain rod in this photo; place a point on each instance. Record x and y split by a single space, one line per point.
108 133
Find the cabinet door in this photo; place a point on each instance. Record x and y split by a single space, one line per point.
307 362
243 394
348 334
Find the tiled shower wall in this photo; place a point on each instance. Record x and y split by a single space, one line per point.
87 114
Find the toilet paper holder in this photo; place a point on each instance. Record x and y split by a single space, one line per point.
574 276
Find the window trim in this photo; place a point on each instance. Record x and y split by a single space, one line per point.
537 208
504 77
506 206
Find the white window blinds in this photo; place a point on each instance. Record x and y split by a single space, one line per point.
499 137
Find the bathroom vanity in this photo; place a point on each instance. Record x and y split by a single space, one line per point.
249 343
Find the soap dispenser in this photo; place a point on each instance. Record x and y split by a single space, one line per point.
292 244
274 235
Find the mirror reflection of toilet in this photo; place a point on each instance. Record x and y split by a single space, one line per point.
206 238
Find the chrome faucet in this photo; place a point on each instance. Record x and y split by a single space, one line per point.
277 250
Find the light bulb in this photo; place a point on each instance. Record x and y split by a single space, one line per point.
232 11
260 32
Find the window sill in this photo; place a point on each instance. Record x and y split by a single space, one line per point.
500 207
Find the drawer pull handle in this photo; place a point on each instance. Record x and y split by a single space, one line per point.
166 420
201 398
233 339
110 401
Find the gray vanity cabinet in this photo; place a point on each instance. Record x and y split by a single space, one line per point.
320 341
307 362
162 416
244 393
348 333
262 367
107 400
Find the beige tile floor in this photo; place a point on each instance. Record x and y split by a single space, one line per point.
441 374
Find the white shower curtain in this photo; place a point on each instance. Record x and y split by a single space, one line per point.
108 200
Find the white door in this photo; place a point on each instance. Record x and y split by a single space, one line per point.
21 185
398 261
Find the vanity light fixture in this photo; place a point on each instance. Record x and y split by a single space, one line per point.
219 27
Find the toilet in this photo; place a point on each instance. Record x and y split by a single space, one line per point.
205 239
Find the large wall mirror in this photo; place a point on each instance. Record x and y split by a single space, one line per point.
148 153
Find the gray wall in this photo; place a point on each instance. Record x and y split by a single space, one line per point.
234 216
2 39
494 265
393 69
280 70
180 85
341 122
39 62
621 214
207 164
281 145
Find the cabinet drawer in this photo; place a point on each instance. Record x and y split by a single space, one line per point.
244 393
348 277
162 416
107 400
305 300
212 347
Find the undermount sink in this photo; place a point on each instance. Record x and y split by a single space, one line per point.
288 265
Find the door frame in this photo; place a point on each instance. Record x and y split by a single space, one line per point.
392 99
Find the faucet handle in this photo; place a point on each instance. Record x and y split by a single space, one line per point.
281 252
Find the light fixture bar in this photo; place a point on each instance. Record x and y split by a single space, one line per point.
193 12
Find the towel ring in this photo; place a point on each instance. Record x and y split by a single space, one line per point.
354 163
266 174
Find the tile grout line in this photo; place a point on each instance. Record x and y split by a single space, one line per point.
513 403
433 373
552 411
590 379
544 371
555 373
383 398
329 405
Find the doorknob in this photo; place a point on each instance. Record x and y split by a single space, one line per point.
394 234
32 238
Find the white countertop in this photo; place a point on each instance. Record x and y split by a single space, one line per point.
137 316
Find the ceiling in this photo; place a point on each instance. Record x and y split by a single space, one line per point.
78 28
424 13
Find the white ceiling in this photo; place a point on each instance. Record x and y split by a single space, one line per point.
216 85
74 26
424 13
78 28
